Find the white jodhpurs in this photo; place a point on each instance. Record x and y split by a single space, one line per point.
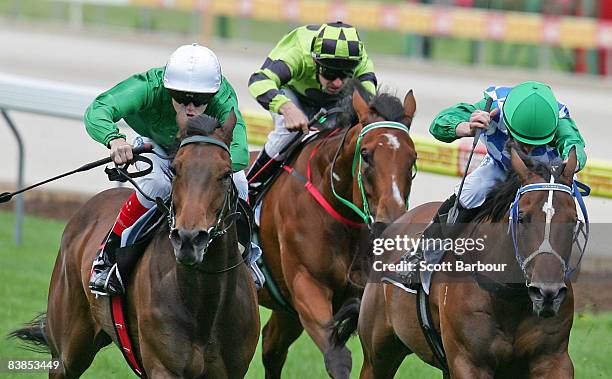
158 182
479 183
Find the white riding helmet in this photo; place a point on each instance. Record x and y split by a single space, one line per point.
193 68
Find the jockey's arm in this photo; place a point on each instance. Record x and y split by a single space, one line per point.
282 64
444 126
124 99
239 149
568 136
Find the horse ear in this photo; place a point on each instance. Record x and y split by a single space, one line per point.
228 127
409 107
518 165
361 107
570 165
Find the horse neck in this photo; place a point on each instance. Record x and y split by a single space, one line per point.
344 183
205 294
499 249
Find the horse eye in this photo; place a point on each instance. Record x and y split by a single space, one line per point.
521 218
226 176
366 156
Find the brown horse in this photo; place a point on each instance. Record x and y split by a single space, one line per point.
191 302
308 251
488 329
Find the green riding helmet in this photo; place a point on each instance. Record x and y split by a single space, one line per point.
337 46
531 113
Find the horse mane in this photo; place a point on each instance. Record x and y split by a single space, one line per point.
348 117
501 196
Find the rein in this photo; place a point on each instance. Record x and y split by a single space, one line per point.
227 215
315 192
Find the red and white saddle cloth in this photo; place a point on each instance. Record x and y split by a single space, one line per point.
123 337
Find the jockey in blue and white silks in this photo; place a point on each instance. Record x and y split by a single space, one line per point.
555 134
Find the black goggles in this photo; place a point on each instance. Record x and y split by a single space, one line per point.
186 98
333 74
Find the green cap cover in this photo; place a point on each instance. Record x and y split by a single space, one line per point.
531 113
337 42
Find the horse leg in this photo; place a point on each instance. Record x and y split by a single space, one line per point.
461 366
77 347
552 366
281 330
156 369
73 336
383 352
313 301
383 359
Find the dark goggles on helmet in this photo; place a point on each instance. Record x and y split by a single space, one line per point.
333 73
186 98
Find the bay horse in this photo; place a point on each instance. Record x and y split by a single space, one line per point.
191 302
489 329
308 250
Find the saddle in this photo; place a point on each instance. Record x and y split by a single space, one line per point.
290 155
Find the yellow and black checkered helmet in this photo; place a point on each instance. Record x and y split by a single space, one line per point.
337 46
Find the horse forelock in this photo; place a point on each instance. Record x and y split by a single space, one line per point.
388 107
202 125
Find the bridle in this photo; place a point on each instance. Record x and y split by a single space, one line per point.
364 213
581 228
228 214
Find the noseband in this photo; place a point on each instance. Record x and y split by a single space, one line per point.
581 228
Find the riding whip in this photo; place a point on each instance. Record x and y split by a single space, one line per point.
6 196
454 211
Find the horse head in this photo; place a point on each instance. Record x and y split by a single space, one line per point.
203 193
543 218
384 155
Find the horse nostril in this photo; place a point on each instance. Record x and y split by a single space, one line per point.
547 292
201 238
535 294
378 228
197 238
175 238
561 294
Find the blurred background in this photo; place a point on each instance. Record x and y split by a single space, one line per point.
57 55
560 35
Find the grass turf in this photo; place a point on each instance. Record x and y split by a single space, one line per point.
25 272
